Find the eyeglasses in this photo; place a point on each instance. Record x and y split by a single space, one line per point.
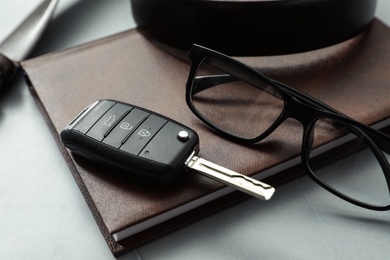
242 104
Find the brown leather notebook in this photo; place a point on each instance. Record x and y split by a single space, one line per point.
353 77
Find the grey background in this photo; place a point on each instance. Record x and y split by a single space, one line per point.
43 215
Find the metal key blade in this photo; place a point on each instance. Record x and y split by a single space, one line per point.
20 42
241 182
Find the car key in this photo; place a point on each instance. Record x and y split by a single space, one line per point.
146 145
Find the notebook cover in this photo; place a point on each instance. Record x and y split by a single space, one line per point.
352 77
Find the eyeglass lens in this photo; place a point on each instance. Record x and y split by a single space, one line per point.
359 176
242 108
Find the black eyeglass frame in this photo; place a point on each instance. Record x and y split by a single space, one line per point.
297 105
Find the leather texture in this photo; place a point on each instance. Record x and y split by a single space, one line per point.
253 28
353 77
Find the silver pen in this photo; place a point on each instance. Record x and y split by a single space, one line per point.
20 42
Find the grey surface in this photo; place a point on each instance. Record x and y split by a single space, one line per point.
44 216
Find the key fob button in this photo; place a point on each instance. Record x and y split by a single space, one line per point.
143 134
92 116
183 136
167 149
125 127
108 120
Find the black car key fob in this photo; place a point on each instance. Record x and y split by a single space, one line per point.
145 145
132 140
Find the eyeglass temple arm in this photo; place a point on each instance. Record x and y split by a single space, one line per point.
381 140
205 82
